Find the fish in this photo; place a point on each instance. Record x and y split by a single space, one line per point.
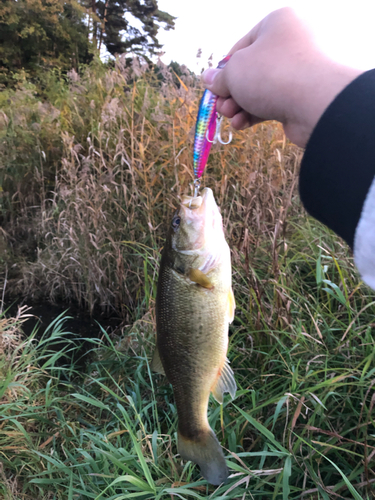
194 307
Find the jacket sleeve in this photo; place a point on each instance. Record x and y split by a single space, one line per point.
337 172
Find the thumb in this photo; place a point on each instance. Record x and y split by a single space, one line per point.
214 80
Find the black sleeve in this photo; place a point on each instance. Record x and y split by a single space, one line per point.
338 166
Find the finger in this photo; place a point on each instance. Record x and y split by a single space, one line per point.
227 107
247 40
214 79
276 17
244 120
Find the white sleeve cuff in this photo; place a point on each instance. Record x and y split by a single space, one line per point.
364 239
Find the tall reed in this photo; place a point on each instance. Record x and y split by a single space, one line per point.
125 158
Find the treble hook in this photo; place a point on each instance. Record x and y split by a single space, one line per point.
197 185
218 132
217 136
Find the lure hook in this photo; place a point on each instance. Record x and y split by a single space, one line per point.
218 132
197 185
217 136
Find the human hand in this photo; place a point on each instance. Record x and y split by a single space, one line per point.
277 72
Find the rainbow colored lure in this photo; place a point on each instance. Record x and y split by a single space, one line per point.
207 128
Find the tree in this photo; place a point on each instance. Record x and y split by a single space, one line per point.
36 33
115 21
63 33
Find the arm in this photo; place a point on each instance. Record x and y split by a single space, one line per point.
338 168
276 72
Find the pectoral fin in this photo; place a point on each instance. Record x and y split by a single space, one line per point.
231 305
224 383
156 364
200 278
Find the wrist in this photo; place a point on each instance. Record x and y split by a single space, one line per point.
315 91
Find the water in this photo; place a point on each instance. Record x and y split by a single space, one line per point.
78 322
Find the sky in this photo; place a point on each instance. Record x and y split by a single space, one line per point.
343 29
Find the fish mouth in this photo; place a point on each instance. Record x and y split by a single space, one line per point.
204 202
191 202
202 219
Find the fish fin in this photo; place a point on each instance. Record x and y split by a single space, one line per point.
224 383
156 364
207 453
200 278
231 305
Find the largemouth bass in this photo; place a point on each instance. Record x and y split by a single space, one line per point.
194 306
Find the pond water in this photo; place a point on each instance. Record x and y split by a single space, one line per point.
78 322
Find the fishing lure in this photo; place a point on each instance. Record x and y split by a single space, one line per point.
207 130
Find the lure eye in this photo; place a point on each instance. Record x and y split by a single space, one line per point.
176 222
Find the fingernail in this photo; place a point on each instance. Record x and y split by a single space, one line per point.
209 76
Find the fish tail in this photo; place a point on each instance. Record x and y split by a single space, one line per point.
207 453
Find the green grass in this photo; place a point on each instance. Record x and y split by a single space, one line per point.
301 425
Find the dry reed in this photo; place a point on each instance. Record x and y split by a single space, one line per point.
126 157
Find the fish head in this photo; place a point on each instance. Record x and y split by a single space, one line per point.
197 224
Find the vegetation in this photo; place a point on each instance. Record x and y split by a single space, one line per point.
63 34
117 17
36 33
91 168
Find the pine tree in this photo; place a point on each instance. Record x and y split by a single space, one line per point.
128 25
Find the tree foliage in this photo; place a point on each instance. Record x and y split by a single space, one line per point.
35 33
64 33
128 25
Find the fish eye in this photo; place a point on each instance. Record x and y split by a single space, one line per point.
176 222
